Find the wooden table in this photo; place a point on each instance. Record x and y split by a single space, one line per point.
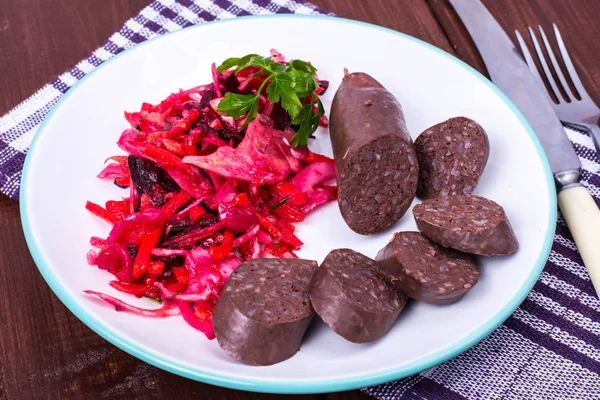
47 353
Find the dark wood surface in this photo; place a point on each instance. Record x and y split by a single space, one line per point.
47 353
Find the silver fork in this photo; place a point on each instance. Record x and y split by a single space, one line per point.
583 114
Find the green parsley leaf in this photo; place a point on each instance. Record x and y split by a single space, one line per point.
236 105
300 65
251 60
304 121
230 62
303 83
274 91
320 112
307 122
274 66
247 61
320 108
291 84
281 88
251 114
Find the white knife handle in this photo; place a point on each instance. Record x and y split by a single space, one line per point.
583 218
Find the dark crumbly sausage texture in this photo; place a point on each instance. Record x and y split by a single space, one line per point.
452 156
426 271
468 223
264 310
376 162
356 300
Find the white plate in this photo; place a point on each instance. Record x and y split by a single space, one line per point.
432 86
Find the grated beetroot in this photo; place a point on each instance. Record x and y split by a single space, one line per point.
204 195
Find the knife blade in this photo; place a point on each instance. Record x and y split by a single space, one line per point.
509 71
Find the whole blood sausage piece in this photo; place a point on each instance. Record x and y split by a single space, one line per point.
264 309
452 156
426 271
356 300
375 159
468 223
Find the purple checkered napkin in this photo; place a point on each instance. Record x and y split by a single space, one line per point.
549 349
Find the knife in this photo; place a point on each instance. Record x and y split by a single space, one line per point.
509 71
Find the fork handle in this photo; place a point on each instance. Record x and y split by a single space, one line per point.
583 219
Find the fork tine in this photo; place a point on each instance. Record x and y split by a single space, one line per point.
529 60
542 59
569 64
531 63
556 66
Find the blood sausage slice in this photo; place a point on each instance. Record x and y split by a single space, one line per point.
426 271
356 300
264 310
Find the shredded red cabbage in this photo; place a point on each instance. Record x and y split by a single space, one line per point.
204 195
112 171
167 310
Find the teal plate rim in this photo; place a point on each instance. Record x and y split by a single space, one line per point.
293 387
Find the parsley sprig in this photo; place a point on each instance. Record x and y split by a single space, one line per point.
292 84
